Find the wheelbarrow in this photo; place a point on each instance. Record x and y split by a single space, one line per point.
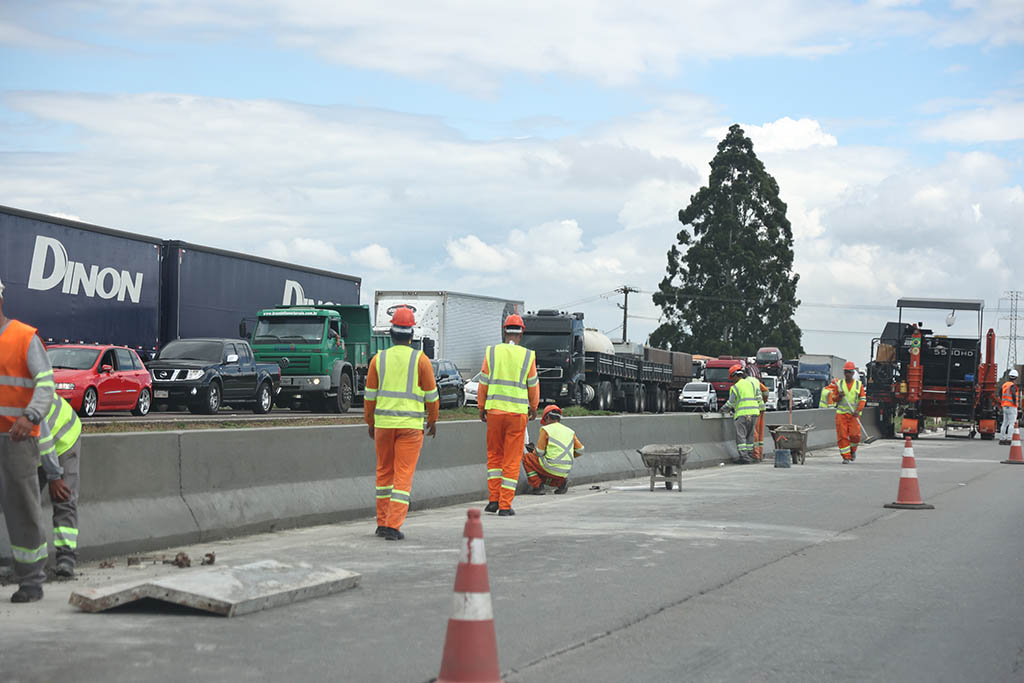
665 463
793 437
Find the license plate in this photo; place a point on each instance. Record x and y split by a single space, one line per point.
160 393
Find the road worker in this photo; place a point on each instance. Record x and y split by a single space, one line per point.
550 461
746 405
59 448
26 393
758 452
848 396
508 395
1010 401
400 404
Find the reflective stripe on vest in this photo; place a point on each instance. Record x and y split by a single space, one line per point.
16 382
1009 395
65 427
849 398
507 387
557 458
400 400
745 397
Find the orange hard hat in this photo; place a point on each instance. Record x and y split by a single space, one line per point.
736 369
551 409
514 321
850 365
403 320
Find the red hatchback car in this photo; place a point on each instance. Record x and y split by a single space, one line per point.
101 378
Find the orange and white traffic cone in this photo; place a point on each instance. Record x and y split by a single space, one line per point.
1016 456
471 648
909 495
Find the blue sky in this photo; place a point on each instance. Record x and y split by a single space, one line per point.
474 146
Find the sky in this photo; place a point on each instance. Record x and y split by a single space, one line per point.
534 150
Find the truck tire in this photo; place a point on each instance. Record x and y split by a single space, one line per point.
264 399
144 403
211 399
343 401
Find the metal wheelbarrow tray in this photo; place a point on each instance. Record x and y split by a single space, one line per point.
793 437
665 462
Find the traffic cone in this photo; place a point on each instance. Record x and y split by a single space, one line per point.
471 648
909 495
1016 457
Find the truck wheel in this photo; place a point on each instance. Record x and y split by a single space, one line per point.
640 400
264 400
211 402
89 402
344 398
144 403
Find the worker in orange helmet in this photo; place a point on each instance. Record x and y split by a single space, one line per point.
508 395
758 452
746 405
401 402
550 461
1010 401
848 396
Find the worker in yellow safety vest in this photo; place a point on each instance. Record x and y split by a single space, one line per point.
550 461
746 405
59 450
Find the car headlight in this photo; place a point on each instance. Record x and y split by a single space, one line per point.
194 374
65 386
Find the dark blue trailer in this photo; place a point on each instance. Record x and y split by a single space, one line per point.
77 282
207 292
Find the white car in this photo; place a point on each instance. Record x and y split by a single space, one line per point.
698 396
471 388
773 392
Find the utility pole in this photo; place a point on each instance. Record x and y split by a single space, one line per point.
1011 352
625 291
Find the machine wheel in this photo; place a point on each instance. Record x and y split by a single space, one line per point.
668 485
987 437
264 400
144 403
89 402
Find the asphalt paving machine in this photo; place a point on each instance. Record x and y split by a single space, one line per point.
917 374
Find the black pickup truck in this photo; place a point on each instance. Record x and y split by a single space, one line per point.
205 374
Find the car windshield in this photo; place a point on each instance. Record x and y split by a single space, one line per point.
187 349
769 382
302 329
696 386
716 374
801 392
768 356
72 359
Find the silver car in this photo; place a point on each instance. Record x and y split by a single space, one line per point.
471 388
699 396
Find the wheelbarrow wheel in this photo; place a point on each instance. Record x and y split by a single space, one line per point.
668 485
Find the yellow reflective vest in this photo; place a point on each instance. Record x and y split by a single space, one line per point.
400 401
558 456
506 381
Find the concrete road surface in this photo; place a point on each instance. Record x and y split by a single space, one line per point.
749 574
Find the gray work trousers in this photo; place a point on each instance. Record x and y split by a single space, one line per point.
19 499
745 437
65 514
1009 422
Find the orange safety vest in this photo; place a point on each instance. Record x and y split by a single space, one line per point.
1009 394
16 382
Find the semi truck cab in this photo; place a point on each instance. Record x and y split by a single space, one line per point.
557 340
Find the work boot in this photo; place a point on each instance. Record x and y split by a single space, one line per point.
853 456
506 513
392 534
563 488
27 594
846 461
380 531
65 568
538 491
491 506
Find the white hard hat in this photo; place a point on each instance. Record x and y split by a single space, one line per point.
1013 373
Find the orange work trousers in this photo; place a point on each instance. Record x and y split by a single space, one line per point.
847 434
759 437
506 439
536 474
398 450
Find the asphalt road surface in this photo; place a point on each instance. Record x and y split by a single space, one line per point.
749 574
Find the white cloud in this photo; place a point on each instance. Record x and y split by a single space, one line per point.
473 254
994 22
783 135
17 35
314 252
998 123
374 256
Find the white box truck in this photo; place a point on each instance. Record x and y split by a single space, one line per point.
458 327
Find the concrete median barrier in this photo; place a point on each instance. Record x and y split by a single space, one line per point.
145 491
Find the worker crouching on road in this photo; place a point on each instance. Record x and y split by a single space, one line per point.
551 460
26 392
508 396
59 448
1010 401
401 395
849 397
746 405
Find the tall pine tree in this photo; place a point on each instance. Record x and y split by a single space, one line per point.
730 287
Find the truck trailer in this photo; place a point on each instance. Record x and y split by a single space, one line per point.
450 325
78 282
816 371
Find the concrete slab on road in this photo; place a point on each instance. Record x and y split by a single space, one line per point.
750 573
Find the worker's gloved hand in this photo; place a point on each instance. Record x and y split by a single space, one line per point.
483 416
371 431
59 491
431 430
21 429
531 447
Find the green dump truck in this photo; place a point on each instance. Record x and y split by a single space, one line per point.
323 351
